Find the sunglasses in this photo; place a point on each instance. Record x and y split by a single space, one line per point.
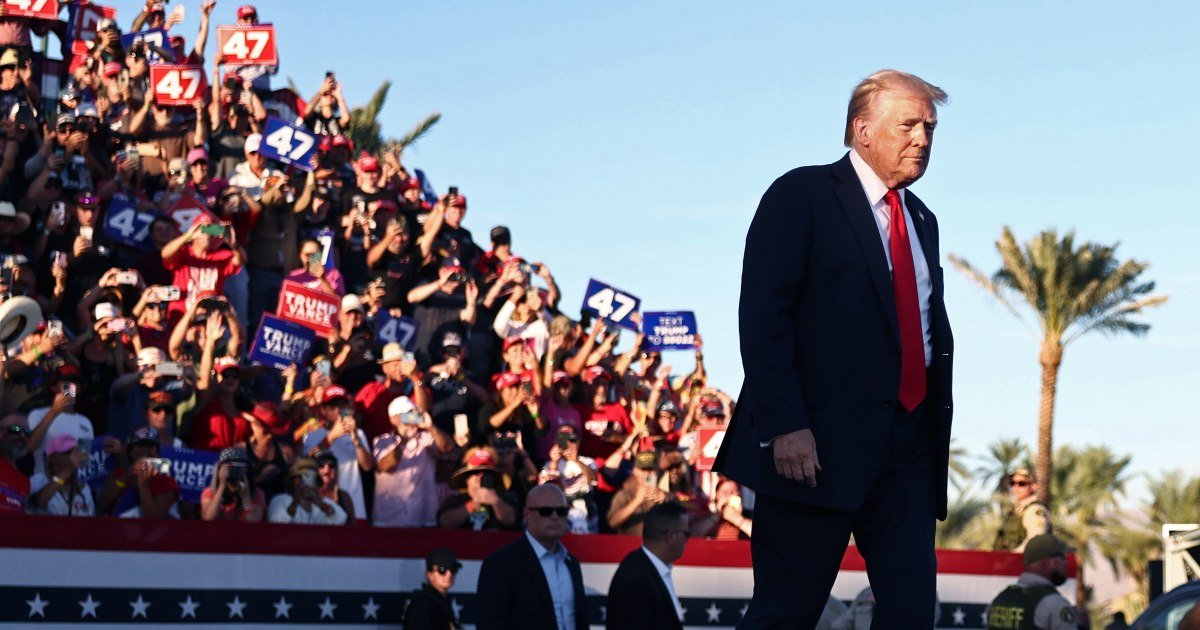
545 512
158 306
326 465
444 570
170 410
17 430
1020 484
66 128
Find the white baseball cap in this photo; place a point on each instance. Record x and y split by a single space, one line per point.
253 142
400 405
351 302
106 310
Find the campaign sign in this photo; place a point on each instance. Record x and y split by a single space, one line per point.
401 330
87 21
192 470
280 343
289 144
309 307
611 303
176 84
673 330
186 211
127 225
155 39
709 439
36 9
247 45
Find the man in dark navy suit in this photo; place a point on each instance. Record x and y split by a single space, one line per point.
642 594
534 583
843 424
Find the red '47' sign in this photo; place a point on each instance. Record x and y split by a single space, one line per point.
177 84
37 9
310 307
247 45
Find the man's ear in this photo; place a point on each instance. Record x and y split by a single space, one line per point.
862 131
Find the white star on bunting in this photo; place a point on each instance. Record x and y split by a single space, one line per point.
236 607
187 608
983 615
960 617
604 613
457 607
370 609
743 609
139 607
327 608
282 608
37 606
714 613
89 607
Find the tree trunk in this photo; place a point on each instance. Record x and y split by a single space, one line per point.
1051 359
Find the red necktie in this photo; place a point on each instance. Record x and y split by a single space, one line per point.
908 307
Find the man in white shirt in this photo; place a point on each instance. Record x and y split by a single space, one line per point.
60 417
534 583
642 593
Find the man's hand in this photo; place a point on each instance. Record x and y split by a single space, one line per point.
796 456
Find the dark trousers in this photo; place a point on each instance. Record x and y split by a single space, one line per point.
798 549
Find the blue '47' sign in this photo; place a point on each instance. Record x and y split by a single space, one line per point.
675 330
612 304
289 144
401 330
125 224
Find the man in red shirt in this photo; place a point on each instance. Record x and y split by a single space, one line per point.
371 402
605 424
199 262
14 444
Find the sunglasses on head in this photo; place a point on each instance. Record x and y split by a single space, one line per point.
17 430
545 512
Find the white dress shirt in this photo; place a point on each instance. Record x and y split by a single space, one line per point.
558 577
664 572
875 189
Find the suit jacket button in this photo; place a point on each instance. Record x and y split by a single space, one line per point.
887 403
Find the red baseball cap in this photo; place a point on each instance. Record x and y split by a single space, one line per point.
410 184
513 341
112 69
265 413
176 40
560 376
459 201
387 204
225 364
507 379
332 393
368 164
246 10
595 372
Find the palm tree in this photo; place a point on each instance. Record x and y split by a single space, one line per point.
1003 457
367 132
1088 483
1072 290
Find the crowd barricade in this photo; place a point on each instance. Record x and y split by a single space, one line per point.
68 571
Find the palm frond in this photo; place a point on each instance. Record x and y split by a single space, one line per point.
414 134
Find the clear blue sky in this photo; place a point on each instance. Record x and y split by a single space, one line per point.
632 142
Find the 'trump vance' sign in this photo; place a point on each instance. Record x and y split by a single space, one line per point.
316 309
280 343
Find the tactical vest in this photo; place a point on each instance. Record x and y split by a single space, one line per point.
1011 534
1013 608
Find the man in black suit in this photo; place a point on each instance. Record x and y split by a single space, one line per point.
843 424
642 593
533 583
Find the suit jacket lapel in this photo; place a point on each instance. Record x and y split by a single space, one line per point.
858 213
537 576
917 209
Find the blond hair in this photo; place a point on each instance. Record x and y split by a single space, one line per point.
862 99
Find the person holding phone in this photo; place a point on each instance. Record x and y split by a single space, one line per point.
328 114
138 487
340 434
59 491
312 272
202 259
483 500
60 417
232 495
303 505
406 464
